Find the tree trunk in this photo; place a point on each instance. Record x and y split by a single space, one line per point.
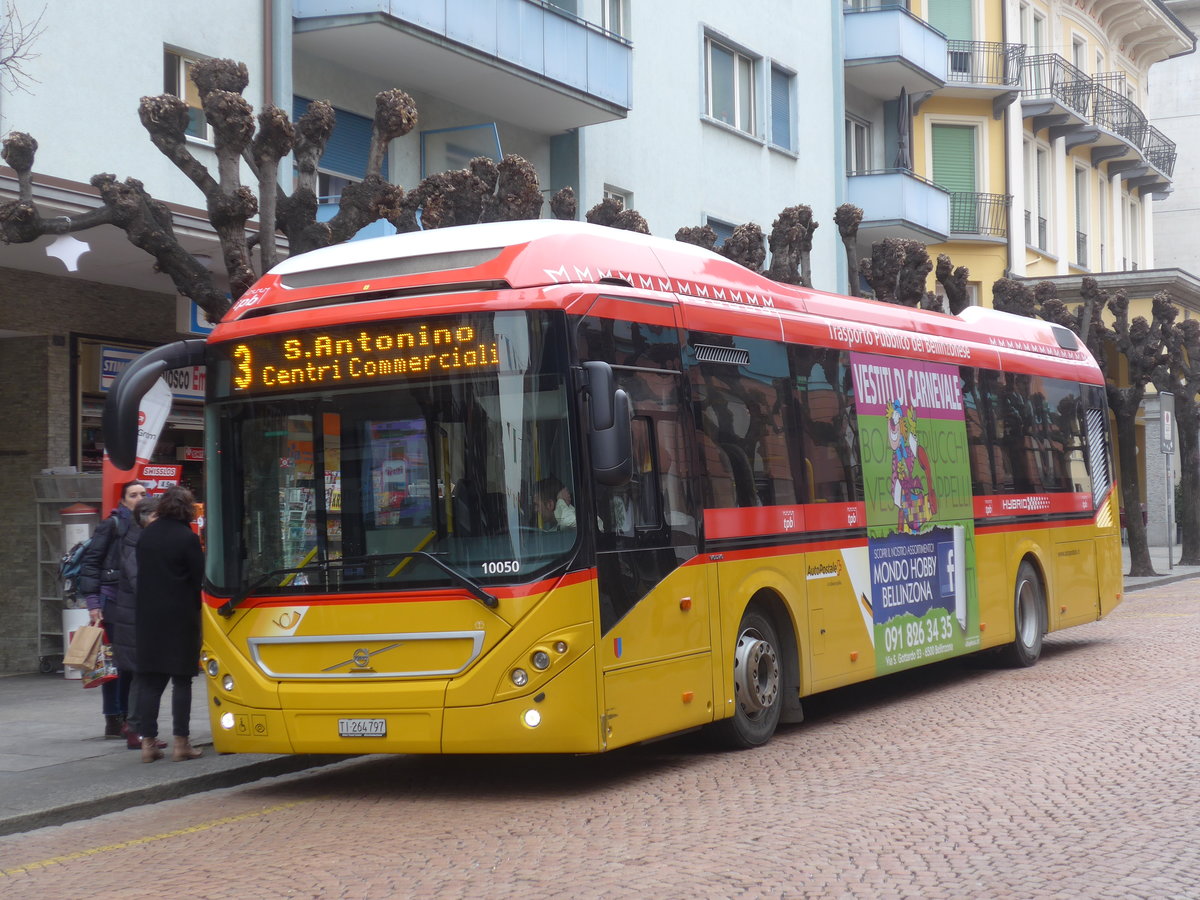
1187 419
852 267
1139 551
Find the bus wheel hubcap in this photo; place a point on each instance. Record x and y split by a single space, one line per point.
756 672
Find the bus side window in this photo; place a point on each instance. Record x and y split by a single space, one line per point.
655 509
828 431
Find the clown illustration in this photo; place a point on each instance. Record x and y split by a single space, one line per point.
912 476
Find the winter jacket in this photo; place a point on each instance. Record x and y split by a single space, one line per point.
170 566
102 560
120 611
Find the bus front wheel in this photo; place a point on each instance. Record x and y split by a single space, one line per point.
757 685
1029 612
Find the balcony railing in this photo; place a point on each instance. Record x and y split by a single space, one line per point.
1160 151
1111 109
900 203
984 62
1081 256
1049 75
1040 244
983 214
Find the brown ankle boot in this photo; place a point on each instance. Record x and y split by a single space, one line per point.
150 751
184 750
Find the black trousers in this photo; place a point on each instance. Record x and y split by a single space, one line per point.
149 690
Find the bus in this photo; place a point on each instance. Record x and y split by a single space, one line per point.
548 487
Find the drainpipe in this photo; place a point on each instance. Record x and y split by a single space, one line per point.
280 24
1014 169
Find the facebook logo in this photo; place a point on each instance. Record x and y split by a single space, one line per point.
947 568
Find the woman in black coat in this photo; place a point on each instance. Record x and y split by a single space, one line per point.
170 566
120 612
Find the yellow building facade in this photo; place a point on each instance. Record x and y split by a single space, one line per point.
1027 127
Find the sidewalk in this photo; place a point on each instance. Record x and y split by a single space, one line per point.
56 767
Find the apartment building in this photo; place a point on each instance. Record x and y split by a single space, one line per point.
692 112
1029 152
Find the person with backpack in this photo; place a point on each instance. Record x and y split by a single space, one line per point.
99 573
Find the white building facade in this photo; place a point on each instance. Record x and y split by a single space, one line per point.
695 112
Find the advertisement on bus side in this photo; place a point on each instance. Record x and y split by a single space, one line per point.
920 525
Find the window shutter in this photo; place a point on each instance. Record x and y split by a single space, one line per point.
346 152
954 157
781 109
952 18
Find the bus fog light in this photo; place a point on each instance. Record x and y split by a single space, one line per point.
520 677
540 660
227 682
532 718
212 668
227 721
560 647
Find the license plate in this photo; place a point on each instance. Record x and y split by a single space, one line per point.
362 727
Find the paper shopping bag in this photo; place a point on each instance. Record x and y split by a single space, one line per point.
82 652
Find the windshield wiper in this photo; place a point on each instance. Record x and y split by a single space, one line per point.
324 566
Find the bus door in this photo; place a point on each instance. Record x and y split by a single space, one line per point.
653 606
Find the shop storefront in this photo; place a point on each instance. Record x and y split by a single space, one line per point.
99 362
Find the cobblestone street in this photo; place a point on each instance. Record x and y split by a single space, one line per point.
1076 778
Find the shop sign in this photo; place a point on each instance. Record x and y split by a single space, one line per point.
186 383
190 454
114 361
189 318
157 477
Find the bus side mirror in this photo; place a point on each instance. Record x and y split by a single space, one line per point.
120 418
609 442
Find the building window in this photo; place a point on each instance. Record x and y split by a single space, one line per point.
344 161
616 17
1038 197
1102 211
781 107
724 230
858 146
177 80
1079 53
730 86
1133 216
616 193
1082 217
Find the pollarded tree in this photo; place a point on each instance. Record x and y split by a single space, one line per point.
847 218
954 282
791 246
485 192
1144 347
745 247
699 235
897 271
1183 380
611 212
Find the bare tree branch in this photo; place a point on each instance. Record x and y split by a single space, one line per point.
16 47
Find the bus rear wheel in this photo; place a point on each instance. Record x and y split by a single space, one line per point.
1029 616
757 685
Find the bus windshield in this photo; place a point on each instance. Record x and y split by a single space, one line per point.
408 476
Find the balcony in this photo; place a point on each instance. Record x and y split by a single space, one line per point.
887 47
1054 93
898 203
976 215
984 69
521 61
1160 151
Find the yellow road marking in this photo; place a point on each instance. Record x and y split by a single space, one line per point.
83 854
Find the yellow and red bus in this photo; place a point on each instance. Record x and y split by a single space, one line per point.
551 487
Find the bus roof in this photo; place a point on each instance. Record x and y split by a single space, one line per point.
546 252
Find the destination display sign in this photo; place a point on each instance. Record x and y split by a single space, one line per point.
348 355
